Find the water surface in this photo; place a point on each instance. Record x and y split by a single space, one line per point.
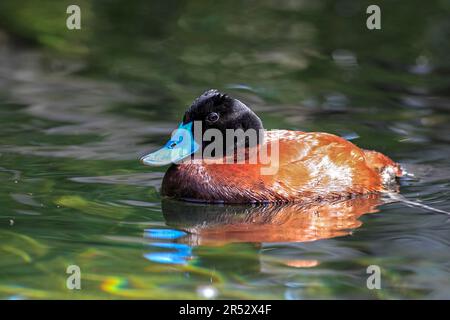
78 109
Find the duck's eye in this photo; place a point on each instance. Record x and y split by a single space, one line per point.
212 117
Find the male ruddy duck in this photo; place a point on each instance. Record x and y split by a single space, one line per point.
311 166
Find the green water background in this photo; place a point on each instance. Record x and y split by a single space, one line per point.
78 108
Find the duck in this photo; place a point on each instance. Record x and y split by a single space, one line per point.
303 167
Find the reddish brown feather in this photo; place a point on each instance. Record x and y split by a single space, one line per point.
312 167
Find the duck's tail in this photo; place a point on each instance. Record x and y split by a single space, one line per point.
396 197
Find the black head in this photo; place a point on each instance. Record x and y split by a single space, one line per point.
216 110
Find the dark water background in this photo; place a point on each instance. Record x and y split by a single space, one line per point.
78 108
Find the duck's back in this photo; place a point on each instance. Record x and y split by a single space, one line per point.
309 167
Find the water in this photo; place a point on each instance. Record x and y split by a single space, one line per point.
78 108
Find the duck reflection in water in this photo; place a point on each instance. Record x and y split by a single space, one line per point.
272 222
215 225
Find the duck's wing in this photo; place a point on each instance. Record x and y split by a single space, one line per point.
322 163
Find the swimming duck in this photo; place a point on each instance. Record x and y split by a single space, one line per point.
310 167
